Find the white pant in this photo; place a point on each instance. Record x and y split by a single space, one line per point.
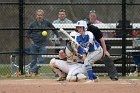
70 69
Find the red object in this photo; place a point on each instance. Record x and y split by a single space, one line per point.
134 34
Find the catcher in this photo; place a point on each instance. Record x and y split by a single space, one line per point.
71 62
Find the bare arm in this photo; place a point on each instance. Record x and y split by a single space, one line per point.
62 55
104 47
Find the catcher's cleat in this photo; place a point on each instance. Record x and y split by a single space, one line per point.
61 79
56 75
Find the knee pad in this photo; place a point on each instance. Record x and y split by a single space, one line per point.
71 78
81 76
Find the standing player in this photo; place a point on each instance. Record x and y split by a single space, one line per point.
94 50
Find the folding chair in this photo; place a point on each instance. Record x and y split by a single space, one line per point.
14 64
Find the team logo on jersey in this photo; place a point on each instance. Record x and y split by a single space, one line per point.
78 23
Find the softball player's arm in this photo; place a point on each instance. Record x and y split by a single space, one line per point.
91 36
62 54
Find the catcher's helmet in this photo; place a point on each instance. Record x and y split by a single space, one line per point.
82 23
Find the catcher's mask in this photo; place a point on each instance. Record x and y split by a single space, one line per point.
69 46
72 55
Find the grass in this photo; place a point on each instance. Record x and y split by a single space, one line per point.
45 72
5 69
51 76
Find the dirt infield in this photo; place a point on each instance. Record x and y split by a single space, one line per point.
52 86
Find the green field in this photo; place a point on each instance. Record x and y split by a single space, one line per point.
44 72
5 69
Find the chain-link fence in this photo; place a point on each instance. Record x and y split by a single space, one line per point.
17 16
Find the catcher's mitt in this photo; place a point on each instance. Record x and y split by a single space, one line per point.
71 53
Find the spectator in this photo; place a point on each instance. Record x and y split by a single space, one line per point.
38 42
136 55
93 17
62 19
111 69
136 34
93 20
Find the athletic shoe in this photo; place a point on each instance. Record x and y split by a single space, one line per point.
97 79
56 75
61 79
114 78
31 74
89 81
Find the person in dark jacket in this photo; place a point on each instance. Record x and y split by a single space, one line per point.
38 41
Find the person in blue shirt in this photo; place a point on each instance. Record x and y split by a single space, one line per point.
93 48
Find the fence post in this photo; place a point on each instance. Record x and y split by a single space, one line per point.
123 37
21 33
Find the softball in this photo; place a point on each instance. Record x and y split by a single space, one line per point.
44 33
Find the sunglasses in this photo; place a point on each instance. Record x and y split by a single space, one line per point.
62 10
92 11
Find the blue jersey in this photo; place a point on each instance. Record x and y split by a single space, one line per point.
84 41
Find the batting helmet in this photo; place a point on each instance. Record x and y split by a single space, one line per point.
82 23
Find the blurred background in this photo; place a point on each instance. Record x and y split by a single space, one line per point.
107 11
